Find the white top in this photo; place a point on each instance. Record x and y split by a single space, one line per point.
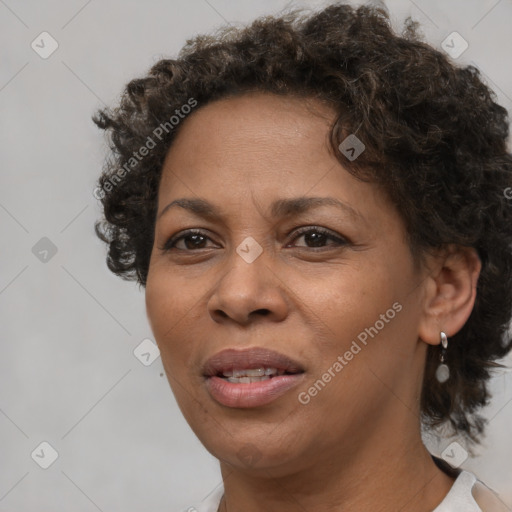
458 499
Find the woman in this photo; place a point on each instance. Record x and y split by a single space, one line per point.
317 210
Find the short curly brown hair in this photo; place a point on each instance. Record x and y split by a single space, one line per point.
435 141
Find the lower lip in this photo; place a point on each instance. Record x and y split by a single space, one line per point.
253 394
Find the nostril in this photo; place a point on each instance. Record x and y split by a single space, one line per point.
262 311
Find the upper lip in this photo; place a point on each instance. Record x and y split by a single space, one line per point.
258 357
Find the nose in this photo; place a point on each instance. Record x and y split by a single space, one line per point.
246 292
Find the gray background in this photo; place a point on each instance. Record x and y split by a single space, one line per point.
68 374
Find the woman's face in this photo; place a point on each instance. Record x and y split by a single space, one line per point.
342 301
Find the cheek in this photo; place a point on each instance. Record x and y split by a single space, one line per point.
372 328
168 297
159 299
361 317
348 302
166 309
169 315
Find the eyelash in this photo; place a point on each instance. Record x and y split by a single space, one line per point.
170 244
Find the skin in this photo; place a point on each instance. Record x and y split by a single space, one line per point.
356 445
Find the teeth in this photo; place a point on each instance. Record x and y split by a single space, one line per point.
247 380
252 373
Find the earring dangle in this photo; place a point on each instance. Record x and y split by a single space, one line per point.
443 372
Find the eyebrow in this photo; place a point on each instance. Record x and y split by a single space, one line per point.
279 208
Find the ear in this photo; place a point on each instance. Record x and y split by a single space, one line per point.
450 292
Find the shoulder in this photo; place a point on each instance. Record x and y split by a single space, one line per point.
468 494
487 499
210 503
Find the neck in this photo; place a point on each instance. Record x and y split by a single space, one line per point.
371 475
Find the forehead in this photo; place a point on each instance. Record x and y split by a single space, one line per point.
253 135
264 146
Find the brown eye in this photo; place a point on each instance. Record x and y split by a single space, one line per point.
317 237
193 239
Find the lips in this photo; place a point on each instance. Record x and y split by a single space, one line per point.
232 359
281 374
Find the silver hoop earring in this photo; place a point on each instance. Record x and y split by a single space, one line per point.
443 372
